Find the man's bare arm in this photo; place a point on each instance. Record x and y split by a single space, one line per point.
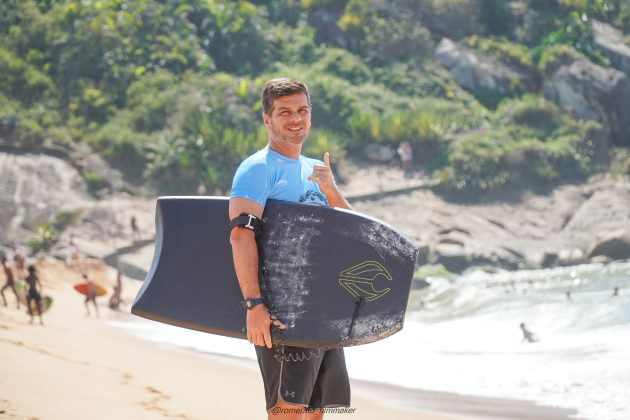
245 255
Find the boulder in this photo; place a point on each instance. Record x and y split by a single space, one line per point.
549 259
35 187
451 241
378 153
423 255
474 71
495 259
593 92
610 41
600 259
615 245
568 257
452 257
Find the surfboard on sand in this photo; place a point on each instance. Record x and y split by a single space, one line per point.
83 289
47 302
334 277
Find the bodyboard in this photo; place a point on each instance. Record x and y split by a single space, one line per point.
47 302
333 277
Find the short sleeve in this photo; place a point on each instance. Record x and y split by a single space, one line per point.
251 181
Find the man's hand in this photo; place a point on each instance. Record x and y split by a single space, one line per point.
259 321
323 176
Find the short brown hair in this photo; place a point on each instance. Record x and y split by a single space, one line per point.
283 86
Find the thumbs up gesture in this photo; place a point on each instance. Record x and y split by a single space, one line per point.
322 175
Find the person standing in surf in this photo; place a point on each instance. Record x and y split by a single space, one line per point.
294 378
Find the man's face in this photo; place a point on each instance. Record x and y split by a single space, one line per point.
289 121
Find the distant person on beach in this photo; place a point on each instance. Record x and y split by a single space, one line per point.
20 264
91 295
106 228
34 293
569 296
616 291
10 284
116 299
75 255
135 232
405 152
527 334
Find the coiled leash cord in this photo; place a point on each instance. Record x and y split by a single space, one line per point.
282 355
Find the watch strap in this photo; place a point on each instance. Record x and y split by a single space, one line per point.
251 303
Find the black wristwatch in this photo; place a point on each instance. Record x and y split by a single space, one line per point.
250 303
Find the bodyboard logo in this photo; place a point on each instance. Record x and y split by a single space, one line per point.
359 280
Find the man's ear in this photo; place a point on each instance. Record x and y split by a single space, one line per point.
265 118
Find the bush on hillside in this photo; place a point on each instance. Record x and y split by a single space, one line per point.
342 64
497 16
503 50
425 79
531 142
576 32
556 56
20 80
44 237
383 32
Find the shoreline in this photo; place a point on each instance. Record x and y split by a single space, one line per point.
75 365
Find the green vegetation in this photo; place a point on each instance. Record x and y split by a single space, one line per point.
529 142
44 237
431 270
168 91
47 233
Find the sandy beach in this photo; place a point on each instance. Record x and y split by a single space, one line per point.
75 366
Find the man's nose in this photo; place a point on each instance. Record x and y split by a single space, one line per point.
296 116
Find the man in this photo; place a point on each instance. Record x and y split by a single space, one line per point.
280 172
116 299
135 232
34 293
90 296
19 263
10 284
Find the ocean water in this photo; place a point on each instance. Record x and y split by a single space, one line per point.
462 335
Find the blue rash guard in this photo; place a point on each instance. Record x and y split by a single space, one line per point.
269 175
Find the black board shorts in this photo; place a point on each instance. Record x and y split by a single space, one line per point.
34 294
312 378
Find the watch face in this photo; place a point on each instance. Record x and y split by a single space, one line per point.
248 304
